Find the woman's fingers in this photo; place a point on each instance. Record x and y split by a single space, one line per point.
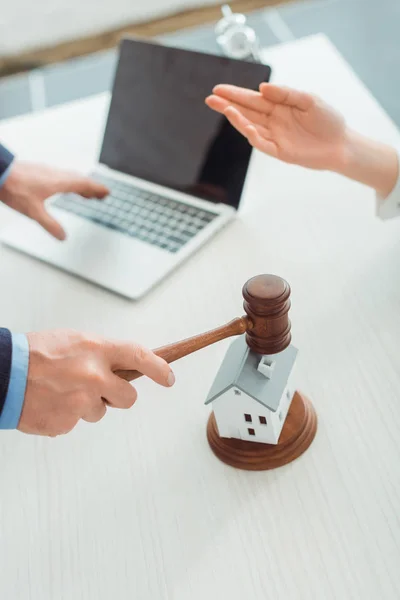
258 141
236 119
216 103
278 94
221 105
249 122
246 98
239 121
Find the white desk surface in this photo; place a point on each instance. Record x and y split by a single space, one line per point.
137 506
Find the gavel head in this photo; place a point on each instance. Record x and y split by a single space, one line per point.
267 303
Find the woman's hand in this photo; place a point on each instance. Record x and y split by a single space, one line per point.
299 128
292 126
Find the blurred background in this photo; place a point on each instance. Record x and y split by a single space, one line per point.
55 51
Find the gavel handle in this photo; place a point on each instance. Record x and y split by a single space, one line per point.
175 351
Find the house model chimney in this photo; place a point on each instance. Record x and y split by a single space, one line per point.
266 366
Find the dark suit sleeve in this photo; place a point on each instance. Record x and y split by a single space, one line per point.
5 364
6 158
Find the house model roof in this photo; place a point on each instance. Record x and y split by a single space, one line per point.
239 370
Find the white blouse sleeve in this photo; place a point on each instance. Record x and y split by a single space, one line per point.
389 207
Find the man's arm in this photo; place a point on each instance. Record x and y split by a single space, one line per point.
5 365
49 381
10 413
14 350
6 159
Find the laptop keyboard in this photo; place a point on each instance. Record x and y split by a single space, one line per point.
141 214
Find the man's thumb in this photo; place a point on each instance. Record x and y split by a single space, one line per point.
50 224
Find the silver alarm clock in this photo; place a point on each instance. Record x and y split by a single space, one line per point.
235 38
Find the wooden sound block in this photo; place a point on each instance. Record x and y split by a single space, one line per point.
297 434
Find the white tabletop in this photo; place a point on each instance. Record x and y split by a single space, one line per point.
138 506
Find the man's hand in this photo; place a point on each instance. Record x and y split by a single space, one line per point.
71 377
293 126
28 186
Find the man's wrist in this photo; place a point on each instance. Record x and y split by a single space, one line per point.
6 161
6 173
14 402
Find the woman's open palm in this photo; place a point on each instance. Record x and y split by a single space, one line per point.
292 126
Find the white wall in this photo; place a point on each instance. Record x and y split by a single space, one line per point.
29 24
285 403
229 411
282 411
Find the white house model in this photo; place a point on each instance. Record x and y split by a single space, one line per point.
251 393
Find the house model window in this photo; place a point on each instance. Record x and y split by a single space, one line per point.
263 420
251 431
247 418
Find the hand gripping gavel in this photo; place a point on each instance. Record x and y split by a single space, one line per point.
266 323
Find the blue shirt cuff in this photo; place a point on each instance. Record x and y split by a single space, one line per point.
4 175
14 401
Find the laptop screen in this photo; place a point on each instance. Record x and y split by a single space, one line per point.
160 130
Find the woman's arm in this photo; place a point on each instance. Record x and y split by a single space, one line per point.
299 128
376 165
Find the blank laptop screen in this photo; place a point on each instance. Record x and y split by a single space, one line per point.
160 130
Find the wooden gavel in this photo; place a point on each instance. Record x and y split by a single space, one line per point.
266 323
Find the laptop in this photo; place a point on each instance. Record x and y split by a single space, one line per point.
175 169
